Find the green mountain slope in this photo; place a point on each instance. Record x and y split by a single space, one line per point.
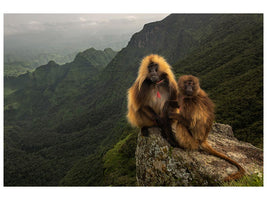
68 119
41 108
230 66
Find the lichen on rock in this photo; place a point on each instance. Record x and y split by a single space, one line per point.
159 164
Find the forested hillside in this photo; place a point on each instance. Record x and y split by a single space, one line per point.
45 112
18 62
62 122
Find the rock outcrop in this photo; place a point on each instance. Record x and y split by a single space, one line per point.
159 164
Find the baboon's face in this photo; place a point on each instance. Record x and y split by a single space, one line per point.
188 85
153 73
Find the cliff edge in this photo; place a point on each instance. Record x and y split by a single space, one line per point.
159 164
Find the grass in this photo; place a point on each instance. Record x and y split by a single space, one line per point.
248 180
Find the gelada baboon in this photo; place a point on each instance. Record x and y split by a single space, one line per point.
193 122
154 86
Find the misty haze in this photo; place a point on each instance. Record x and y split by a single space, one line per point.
31 40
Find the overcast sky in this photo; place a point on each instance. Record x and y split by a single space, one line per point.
25 23
30 31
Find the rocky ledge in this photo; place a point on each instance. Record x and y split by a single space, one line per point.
159 164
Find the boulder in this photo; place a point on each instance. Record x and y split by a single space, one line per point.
159 164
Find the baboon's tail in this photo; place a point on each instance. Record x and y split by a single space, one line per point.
233 176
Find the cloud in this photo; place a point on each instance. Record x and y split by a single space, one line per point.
85 21
34 22
82 19
35 26
131 18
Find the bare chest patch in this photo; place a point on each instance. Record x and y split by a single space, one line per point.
158 96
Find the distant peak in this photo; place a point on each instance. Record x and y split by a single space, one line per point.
108 49
92 48
51 62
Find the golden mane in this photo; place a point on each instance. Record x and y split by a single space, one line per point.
163 67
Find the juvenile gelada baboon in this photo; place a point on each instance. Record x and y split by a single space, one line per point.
193 122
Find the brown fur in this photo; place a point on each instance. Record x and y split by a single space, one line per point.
194 121
143 104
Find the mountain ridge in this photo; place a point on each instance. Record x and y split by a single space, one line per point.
72 124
